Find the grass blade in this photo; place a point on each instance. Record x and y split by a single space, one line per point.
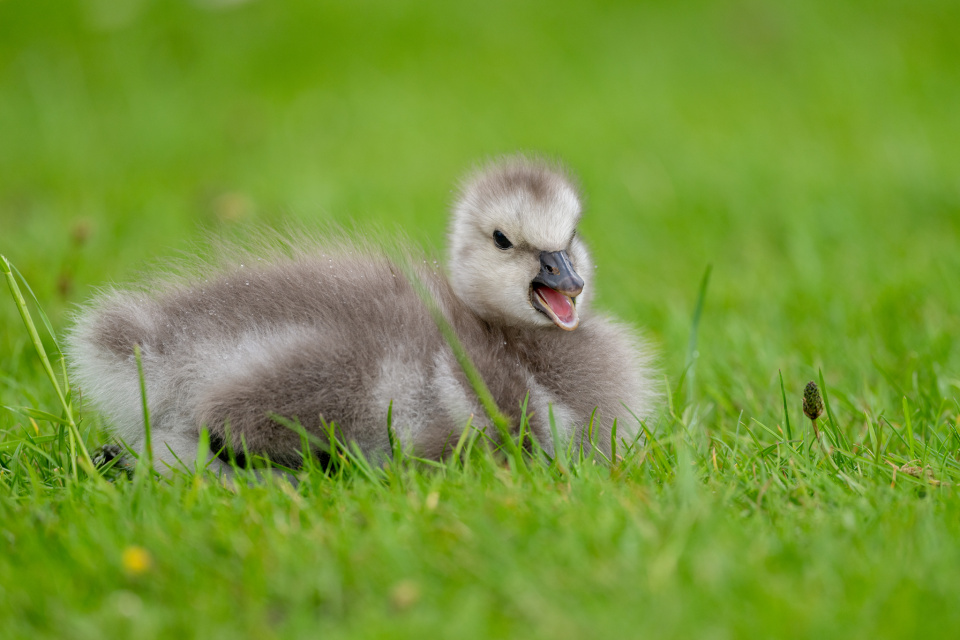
500 421
36 414
147 441
831 418
786 413
692 354
76 441
909 425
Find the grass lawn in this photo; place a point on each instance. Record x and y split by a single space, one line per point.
807 151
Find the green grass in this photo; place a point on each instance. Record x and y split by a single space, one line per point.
807 151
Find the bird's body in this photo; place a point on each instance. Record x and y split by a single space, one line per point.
338 333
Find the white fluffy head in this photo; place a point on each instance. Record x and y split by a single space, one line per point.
536 206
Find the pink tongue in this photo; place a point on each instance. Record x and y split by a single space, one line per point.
558 303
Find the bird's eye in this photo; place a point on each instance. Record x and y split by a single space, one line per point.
501 240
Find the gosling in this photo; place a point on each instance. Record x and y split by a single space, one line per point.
334 332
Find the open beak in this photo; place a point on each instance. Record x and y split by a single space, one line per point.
553 292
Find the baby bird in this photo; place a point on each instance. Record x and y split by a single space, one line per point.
336 333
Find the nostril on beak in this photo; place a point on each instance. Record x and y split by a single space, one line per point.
557 273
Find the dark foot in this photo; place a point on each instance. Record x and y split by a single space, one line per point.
112 461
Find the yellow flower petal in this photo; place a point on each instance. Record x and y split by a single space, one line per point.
136 560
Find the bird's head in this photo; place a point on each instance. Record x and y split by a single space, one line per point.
515 257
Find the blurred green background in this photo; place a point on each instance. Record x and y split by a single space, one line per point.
807 150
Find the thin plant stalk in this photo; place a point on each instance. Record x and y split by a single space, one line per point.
909 424
500 421
786 413
148 442
75 440
692 354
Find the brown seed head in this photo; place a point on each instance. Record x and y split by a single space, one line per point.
812 402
